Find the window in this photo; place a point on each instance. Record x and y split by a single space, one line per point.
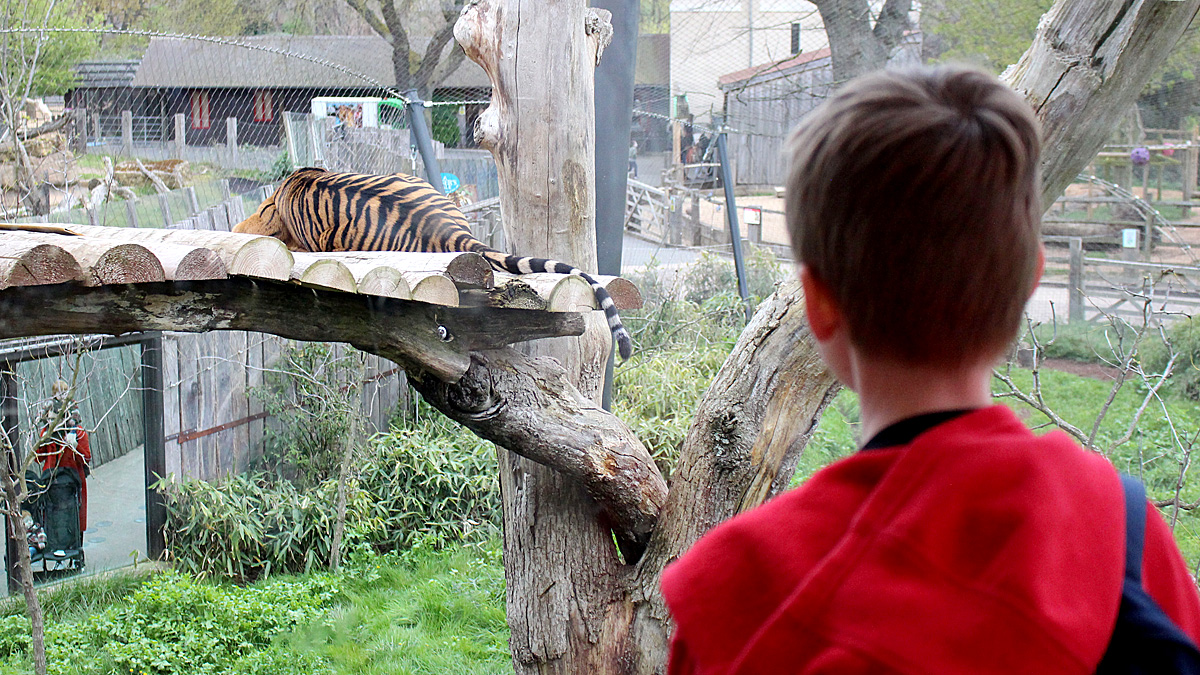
200 118
796 38
264 111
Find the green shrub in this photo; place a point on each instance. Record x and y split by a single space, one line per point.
714 275
436 481
250 526
176 625
1082 341
1183 340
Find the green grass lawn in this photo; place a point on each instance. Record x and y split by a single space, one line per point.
422 612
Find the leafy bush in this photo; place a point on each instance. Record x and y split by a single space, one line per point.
1082 341
313 393
435 481
1183 339
246 527
175 625
714 275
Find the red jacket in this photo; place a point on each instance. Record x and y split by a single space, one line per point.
978 548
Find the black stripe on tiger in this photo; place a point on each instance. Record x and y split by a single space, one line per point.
317 210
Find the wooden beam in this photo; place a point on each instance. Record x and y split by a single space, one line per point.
418 337
529 406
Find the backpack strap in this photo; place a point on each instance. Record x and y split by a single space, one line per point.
1135 527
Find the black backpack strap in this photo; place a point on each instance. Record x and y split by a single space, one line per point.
1145 640
1135 527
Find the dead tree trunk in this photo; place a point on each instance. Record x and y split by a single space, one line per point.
1087 65
560 562
573 607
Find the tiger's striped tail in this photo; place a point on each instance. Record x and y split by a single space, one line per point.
519 265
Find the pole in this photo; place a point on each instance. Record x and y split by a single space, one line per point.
154 441
420 132
739 263
614 117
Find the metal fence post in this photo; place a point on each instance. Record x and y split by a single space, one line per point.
416 117
735 235
154 441
1075 282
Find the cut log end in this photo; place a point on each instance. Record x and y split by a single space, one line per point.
126 264
25 264
385 281
198 265
264 257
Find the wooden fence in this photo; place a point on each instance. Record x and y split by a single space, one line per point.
1098 288
214 425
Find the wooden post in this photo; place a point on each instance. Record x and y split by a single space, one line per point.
180 134
1148 237
79 135
694 212
223 186
127 132
192 201
1075 282
231 137
131 213
154 441
675 220
165 209
96 127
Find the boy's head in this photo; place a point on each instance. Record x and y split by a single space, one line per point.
914 198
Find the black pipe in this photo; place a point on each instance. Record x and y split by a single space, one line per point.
614 117
739 263
420 132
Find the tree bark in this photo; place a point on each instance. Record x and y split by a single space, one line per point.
1087 65
559 557
856 46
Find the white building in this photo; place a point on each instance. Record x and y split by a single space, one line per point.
711 38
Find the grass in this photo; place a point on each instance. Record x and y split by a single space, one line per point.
424 611
434 612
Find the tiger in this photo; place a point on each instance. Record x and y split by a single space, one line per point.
319 210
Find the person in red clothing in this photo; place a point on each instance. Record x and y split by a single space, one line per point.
66 445
955 540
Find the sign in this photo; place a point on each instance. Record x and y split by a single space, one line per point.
1129 238
450 182
752 215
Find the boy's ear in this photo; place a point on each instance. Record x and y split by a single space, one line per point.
1041 267
824 317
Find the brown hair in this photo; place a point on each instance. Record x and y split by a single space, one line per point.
914 195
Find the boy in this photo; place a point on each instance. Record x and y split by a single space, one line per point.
955 541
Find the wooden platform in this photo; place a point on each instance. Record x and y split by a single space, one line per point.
94 256
427 312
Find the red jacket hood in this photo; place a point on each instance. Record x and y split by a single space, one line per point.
978 548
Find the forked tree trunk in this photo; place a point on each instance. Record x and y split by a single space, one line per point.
573 606
559 557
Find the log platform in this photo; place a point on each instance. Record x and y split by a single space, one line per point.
79 278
